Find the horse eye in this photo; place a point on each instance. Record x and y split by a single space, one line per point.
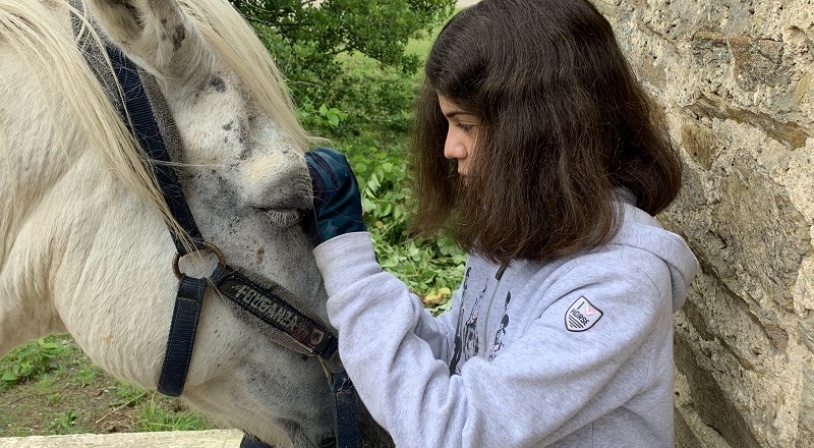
283 218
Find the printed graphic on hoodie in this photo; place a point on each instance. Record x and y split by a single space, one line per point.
504 322
467 343
456 355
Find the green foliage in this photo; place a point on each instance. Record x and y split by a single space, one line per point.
30 361
375 97
321 30
427 266
324 118
312 41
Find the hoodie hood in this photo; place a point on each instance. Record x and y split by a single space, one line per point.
642 231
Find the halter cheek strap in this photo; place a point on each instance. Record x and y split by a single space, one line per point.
267 303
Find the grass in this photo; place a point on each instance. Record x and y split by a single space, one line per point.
64 393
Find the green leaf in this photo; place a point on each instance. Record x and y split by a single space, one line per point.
373 183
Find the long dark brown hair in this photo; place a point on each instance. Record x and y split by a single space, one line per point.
564 126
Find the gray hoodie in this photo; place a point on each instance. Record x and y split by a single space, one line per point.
571 353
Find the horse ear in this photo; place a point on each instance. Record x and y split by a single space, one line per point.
157 35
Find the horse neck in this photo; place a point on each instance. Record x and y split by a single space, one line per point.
32 162
60 205
70 218
71 233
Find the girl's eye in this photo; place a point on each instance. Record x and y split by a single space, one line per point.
465 127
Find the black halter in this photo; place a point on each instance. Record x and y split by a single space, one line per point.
270 303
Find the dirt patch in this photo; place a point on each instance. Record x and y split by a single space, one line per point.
75 397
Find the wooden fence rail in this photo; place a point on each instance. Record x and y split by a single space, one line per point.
175 439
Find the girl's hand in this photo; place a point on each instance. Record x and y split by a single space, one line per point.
337 202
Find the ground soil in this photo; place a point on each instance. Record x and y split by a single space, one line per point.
75 397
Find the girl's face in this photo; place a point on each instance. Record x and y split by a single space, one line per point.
461 136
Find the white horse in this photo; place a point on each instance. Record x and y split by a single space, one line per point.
84 247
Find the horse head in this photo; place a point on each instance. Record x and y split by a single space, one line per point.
85 247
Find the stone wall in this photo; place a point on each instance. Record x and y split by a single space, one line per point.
736 80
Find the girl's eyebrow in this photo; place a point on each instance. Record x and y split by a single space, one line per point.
455 112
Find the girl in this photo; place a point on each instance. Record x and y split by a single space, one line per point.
537 150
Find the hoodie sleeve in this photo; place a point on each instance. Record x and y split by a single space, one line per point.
437 331
544 386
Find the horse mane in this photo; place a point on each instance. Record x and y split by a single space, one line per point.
38 34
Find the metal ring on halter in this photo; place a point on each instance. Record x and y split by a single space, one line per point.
206 245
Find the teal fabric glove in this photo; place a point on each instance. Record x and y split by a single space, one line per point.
337 202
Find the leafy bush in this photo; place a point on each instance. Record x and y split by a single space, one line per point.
313 42
324 118
430 267
318 31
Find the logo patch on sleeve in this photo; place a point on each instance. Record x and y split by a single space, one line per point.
582 315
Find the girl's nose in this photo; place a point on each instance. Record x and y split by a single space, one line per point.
454 147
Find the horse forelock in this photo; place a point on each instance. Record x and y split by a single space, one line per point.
234 39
